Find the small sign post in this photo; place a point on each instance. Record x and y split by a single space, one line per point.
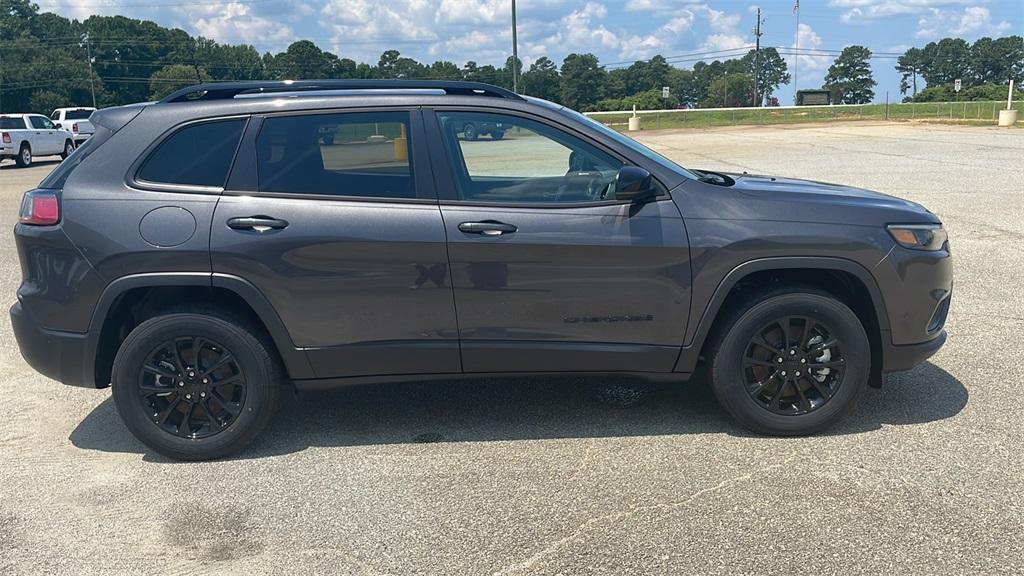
664 92
956 85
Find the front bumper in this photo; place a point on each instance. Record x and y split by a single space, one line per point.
896 358
61 356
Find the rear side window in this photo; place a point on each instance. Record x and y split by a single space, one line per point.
196 155
12 124
364 154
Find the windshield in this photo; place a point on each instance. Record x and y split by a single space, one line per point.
621 139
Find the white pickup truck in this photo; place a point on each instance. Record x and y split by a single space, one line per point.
76 121
23 136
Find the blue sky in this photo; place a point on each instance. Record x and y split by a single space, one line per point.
618 32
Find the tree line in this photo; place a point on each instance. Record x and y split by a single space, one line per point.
48 61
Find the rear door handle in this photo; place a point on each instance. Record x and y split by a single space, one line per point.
258 223
487 228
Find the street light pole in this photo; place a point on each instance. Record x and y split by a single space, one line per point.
515 51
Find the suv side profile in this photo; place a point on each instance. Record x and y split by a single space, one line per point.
202 252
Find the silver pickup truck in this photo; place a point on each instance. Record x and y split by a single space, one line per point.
23 136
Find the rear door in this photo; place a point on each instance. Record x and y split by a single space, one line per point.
550 271
45 136
333 216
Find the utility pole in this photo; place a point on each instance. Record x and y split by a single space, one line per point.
757 59
796 51
515 52
88 56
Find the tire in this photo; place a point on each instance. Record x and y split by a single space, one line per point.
328 140
469 132
740 367
69 147
24 157
497 134
224 420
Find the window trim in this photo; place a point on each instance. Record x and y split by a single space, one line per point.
447 178
133 181
421 168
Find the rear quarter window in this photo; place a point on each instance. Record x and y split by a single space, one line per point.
12 124
195 155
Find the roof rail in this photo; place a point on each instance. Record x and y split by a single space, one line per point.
228 90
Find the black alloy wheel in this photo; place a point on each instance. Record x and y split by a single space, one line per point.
793 365
193 387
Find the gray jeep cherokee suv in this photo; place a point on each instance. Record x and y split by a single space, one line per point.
200 252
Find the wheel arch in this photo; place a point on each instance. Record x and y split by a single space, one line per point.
130 299
846 280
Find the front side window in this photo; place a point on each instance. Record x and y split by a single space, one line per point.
196 155
39 123
360 154
508 159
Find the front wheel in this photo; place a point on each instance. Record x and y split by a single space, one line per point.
791 364
69 147
195 386
469 132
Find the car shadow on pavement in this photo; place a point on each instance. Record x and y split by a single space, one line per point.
530 408
35 162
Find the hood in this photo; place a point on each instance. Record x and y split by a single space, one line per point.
748 196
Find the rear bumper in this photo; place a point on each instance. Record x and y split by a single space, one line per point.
61 356
905 357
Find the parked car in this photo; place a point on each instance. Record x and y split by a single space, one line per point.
74 120
472 130
23 136
247 258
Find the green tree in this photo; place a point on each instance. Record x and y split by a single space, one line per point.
444 70
174 77
910 65
850 76
582 81
541 80
997 61
46 101
772 74
647 75
945 61
730 90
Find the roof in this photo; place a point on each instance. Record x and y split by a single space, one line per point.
229 90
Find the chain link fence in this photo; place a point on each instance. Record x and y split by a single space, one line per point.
957 112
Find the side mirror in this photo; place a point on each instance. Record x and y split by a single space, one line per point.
634 184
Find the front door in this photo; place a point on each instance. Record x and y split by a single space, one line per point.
334 218
48 140
550 271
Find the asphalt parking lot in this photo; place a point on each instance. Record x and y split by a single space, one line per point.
534 476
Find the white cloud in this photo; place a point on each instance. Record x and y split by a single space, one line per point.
864 11
808 40
972 22
235 23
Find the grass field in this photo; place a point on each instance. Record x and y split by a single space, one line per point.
954 112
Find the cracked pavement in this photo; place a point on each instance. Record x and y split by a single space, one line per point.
534 476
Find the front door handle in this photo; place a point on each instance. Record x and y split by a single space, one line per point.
487 228
258 223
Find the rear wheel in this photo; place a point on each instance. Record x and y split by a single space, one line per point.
497 134
24 157
69 147
195 386
469 132
791 364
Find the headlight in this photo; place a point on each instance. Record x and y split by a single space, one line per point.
918 236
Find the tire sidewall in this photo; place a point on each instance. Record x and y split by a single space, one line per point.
727 373
260 393
24 158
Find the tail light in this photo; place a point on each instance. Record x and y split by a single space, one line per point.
7 138
40 208
74 127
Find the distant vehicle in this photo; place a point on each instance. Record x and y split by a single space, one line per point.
25 135
813 98
76 121
473 130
